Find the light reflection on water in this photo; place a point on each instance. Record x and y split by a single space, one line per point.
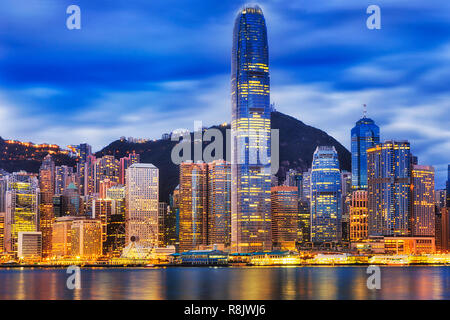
413 282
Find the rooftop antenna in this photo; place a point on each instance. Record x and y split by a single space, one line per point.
364 110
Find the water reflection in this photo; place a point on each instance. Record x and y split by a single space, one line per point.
228 283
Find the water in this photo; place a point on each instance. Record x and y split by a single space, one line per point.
413 282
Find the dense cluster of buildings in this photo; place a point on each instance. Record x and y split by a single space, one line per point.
108 207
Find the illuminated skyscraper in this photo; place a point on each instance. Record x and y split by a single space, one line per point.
125 162
83 151
71 202
107 167
115 233
284 215
358 216
250 130
22 207
63 176
142 196
219 202
326 199
422 201
448 186
89 175
193 205
2 232
389 171
365 135
86 238
47 187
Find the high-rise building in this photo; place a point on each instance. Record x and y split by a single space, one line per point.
104 186
285 222
219 202
125 162
358 216
106 168
172 223
83 151
2 232
62 236
22 207
142 194
102 210
63 176
305 195
365 135
441 198
115 234
86 238
442 229
326 190
304 222
193 205
250 131
389 171
72 204
162 214
422 201
46 214
89 175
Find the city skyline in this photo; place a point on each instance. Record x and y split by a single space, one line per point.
399 81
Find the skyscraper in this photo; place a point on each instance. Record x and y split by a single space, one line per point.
83 151
107 167
125 162
219 202
448 186
326 199
22 207
193 205
250 131
365 134
358 216
142 193
63 176
47 188
389 172
422 201
284 215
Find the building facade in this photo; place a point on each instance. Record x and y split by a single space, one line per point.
389 183
250 132
358 216
142 194
365 135
46 214
423 205
285 217
326 190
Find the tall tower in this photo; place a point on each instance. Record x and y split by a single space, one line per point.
423 201
250 131
142 204
47 188
388 193
365 134
326 192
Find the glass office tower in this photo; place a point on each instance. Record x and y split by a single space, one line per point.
365 134
326 191
250 130
389 184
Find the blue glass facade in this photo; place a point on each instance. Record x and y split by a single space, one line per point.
389 184
365 135
326 191
250 130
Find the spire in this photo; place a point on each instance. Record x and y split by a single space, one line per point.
364 110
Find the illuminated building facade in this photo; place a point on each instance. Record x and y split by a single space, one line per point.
448 186
62 236
193 205
304 222
162 215
326 199
29 245
442 230
115 234
46 214
72 204
250 131
358 216
86 238
106 168
365 135
305 194
125 162
389 170
142 196
22 207
441 196
2 232
83 151
422 201
104 186
63 176
219 202
89 175
284 202
102 210
172 223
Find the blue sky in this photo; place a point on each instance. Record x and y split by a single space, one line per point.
140 68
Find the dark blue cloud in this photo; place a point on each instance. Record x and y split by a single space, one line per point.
146 60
